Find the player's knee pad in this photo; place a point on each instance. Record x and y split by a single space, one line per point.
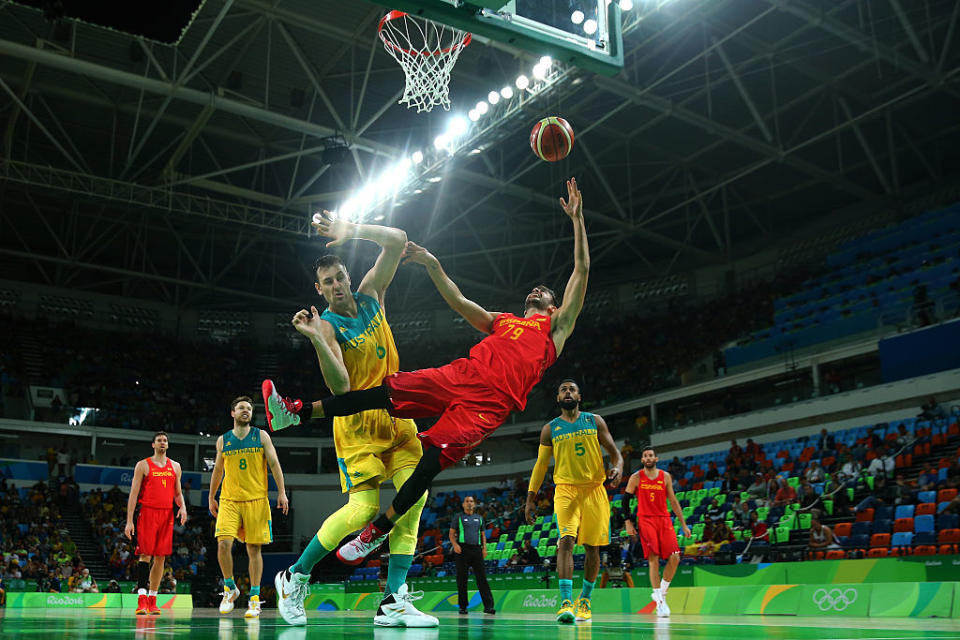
361 508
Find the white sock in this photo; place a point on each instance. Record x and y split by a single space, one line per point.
664 585
141 592
152 592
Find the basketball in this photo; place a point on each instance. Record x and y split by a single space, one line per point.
552 139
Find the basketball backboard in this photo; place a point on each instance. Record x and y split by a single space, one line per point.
584 33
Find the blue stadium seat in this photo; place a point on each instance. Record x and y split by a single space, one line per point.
941 506
923 523
902 539
882 526
904 511
883 512
861 529
925 537
860 541
949 521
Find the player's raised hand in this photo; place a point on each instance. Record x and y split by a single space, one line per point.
283 503
327 225
128 531
307 324
213 506
414 253
573 205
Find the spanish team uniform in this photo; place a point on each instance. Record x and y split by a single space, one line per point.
653 520
244 511
580 501
474 395
154 528
371 445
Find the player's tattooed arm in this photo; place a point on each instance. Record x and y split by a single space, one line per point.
478 317
576 290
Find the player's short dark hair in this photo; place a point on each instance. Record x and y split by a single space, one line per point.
556 300
566 380
238 400
158 434
464 499
645 449
324 262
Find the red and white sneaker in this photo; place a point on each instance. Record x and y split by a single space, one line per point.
281 412
366 542
152 607
143 607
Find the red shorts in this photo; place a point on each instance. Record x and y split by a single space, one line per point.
154 532
657 536
469 402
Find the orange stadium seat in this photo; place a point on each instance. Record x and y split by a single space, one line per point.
842 529
954 431
925 550
903 524
866 516
878 552
836 554
880 540
926 509
946 495
947 549
949 536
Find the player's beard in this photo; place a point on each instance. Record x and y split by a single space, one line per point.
569 404
650 465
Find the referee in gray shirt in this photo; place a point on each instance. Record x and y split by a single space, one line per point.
470 546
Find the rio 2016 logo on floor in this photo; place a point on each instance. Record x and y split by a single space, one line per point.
836 599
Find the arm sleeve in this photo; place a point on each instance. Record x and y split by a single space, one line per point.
540 468
625 511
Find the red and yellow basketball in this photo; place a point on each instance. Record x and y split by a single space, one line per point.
552 139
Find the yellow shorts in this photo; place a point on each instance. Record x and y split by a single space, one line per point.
248 521
583 510
373 446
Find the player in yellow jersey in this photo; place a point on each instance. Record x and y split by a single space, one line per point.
356 351
580 502
243 512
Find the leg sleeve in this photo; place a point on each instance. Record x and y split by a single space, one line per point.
403 536
361 508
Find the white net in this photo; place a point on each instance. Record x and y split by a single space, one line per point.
427 52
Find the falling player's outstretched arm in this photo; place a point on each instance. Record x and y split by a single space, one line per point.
392 242
270 454
544 454
566 316
139 472
324 341
478 317
216 477
616 458
178 493
675 504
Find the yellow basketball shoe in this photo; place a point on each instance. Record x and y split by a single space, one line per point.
582 606
566 615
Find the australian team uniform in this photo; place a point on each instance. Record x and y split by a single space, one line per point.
154 528
244 511
580 500
474 395
653 520
371 445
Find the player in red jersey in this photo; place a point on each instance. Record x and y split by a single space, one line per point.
474 395
155 488
654 488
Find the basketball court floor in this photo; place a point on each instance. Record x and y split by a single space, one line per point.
207 624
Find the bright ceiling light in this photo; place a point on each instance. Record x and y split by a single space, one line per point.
576 17
546 61
626 5
482 107
493 97
417 157
441 141
473 114
522 82
590 27
540 72
458 126
506 92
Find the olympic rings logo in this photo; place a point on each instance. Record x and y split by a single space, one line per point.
836 599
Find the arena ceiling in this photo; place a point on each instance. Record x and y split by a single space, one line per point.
185 171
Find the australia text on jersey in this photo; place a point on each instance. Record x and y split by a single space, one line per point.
574 434
237 452
375 322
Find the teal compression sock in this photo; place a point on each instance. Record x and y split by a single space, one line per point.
313 554
397 571
255 591
587 589
566 590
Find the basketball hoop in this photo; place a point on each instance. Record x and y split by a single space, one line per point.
427 52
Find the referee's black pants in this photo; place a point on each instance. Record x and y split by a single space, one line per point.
471 556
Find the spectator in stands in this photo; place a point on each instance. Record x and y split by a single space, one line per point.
757 488
676 468
758 528
753 449
850 470
85 583
785 495
927 480
903 436
168 584
741 515
931 410
63 462
826 443
821 537
113 587
814 472
529 555
836 489
714 512
953 476
712 472
809 497
735 454
883 464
